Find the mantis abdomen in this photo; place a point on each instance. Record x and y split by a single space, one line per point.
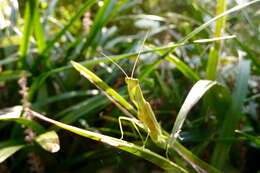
145 113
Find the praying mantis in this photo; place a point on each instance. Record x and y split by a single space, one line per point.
144 110
146 117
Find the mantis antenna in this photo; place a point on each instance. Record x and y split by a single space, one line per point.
114 63
138 55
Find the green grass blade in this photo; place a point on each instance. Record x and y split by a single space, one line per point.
185 69
29 15
38 31
206 24
253 139
120 144
196 92
186 154
216 48
41 78
64 96
108 91
198 164
75 112
9 75
233 115
8 148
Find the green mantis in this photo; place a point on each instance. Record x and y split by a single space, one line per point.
144 111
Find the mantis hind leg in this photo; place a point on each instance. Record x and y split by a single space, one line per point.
134 122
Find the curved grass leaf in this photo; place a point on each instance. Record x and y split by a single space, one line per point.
108 91
8 148
185 69
198 164
196 92
121 144
253 139
206 24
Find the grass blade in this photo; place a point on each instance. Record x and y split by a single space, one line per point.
253 139
233 115
216 48
196 92
120 144
8 148
108 91
206 24
30 8
185 69
39 34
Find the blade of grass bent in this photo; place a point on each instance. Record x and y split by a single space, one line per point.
253 139
121 144
108 91
196 92
206 24
185 69
41 79
8 148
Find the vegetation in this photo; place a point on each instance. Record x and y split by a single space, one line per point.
186 101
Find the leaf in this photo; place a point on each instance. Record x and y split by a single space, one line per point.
8 148
196 92
121 144
184 68
253 139
49 141
229 11
9 75
233 115
108 91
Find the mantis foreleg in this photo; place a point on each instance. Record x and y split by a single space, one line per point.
135 123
